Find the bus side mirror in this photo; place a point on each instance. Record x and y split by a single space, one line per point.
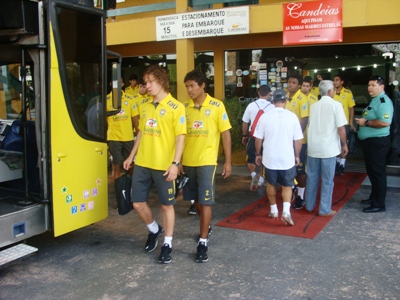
116 85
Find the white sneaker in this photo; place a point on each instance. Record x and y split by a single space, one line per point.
287 219
254 183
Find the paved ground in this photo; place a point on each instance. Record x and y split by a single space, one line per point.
356 256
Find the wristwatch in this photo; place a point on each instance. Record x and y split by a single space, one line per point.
366 123
176 163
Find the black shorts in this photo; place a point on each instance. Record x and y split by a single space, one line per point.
201 184
301 168
120 151
283 177
251 150
142 182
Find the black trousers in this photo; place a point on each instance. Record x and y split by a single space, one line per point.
376 151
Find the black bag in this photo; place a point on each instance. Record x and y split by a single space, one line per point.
351 142
122 186
180 182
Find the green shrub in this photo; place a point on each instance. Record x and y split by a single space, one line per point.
235 110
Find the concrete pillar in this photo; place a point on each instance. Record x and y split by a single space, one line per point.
184 55
219 72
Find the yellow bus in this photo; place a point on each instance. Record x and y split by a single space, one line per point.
53 150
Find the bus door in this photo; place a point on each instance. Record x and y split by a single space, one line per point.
77 120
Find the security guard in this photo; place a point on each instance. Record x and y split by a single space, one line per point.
374 133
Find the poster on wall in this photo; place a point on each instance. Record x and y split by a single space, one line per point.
205 23
312 22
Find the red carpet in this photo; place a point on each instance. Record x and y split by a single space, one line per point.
306 225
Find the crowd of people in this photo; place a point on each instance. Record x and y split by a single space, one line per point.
294 138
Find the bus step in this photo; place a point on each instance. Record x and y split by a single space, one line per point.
15 253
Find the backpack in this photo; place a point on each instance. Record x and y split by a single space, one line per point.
259 113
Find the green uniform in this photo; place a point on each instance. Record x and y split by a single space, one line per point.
381 108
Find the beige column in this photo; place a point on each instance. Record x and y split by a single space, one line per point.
184 64
184 55
219 72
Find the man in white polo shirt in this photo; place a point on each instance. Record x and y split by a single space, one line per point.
326 140
278 131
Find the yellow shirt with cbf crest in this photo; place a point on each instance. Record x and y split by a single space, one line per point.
345 97
299 106
141 99
204 127
132 91
120 126
160 124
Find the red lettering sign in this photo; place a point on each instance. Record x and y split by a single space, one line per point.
312 22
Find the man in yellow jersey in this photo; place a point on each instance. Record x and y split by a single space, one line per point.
142 96
297 103
306 89
314 89
120 130
345 97
133 88
158 149
207 120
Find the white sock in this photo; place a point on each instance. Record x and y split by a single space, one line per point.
192 201
261 180
153 227
343 161
168 240
253 174
274 209
286 207
338 159
300 192
203 241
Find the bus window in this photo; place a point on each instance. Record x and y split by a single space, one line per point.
81 65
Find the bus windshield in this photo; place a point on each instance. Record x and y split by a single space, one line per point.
78 37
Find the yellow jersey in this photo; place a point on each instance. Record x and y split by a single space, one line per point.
160 123
141 99
345 97
120 126
315 91
132 91
311 99
204 127
299 106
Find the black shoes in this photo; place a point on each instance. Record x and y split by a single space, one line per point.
340 170
165 255
152 240
371 209
192 210
366 201
299 203
202 255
